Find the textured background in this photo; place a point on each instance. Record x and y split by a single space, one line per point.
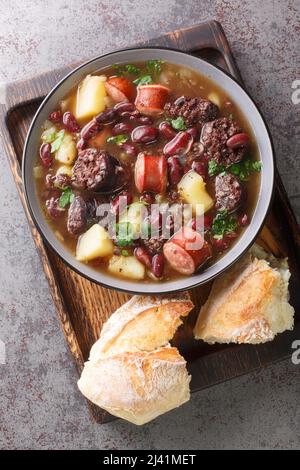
40 406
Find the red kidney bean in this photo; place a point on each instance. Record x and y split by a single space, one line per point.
81 144
106 117
158 263
180 144
144 134
166 130
70 123
148 198
238 140
129 149
143 256
193 131
175 171
45 154
90 129
243 220
55 116
117 201
124 107
121 128
200 167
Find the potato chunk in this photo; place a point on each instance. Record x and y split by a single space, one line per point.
192 190
93 244
65 170
126 266
215 98
90 97
67 151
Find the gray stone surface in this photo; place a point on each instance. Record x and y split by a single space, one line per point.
40 406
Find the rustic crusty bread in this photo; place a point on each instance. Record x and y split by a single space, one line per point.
144 323
137 386
132 372
248 303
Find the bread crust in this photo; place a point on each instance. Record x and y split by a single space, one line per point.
143 323
137 386
248 303
132 371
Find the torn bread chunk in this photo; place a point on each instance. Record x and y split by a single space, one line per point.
248 303
132 371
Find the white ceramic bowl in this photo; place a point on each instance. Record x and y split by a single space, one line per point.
230 87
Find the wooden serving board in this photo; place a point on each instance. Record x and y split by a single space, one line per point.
82 307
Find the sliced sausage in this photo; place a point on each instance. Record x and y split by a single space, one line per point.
228 192
215 136
93 169
151 99
193 110
187 250
120 89
150 173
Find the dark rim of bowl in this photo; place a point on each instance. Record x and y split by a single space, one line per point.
148 291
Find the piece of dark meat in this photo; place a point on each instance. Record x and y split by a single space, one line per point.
53 207
228 192
94 170
193 110
77 216
154 245
214 137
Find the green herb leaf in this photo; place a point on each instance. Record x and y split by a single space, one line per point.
125 253
178 124
66 197
124 234
214 168
244 168
117 139
154 66
58 141
144 80
222 224
128 68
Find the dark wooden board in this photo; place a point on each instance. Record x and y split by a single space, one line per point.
82 307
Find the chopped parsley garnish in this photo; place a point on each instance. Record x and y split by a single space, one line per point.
214 168
128 68
223 223
117 139
66 197
154 66
124 234
244 168
178 124
144 80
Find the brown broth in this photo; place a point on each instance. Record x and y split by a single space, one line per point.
182 81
